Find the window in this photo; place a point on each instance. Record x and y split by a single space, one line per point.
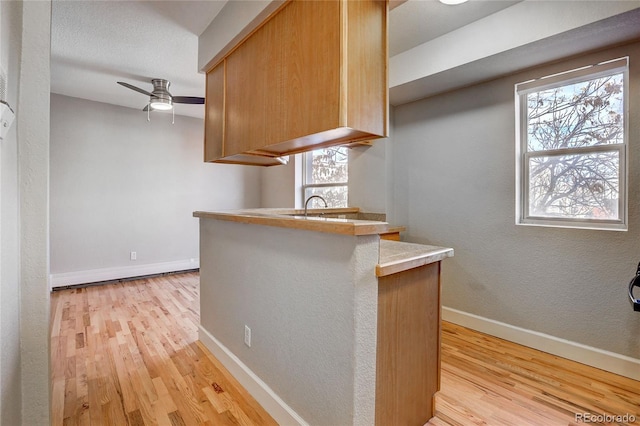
326 173
572 148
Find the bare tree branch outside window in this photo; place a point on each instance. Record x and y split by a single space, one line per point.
573 163
327 175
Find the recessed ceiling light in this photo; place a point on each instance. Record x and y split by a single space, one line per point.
453 2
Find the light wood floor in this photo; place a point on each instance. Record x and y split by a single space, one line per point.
127 353
490 381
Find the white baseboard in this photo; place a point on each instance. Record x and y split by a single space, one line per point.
604 360
263 394
107 274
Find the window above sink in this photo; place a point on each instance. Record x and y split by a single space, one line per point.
325 172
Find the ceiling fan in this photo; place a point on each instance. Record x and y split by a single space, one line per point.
160 99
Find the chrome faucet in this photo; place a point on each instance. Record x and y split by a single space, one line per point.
306 203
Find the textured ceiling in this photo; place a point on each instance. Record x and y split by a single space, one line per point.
94 44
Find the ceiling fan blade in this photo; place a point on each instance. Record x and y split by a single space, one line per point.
137 89
187 100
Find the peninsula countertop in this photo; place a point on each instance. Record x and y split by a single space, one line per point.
394 256
397 256
294 218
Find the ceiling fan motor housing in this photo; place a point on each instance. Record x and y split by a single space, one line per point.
161 96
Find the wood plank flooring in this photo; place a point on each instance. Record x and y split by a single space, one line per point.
127 354
490 381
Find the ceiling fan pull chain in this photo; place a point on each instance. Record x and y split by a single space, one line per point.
148 111
173 117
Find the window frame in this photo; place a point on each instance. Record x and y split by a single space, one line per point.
307 159
591 72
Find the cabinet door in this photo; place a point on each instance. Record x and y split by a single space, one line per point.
252 80
283 82
367 102
214 117
408 345
312 67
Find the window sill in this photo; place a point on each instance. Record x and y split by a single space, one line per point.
595 226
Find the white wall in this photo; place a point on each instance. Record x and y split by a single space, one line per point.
24 295
310 299
32 117
280 185
453 162
120 183
10 369
368 177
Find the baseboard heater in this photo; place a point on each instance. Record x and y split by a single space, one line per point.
121 280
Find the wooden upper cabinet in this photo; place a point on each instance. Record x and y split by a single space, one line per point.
214 127
214 114
313 75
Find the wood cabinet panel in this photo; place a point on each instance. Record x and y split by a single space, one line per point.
214 114
283 81
311 85
313 75
408 348
215 144
367 53
247 99
391 236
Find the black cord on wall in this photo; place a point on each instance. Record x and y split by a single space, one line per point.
635 282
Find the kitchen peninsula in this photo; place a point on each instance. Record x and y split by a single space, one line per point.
321 320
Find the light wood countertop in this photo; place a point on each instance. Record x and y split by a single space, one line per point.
397 256
294 218
394 256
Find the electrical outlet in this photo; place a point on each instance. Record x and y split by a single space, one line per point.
134 255
247 335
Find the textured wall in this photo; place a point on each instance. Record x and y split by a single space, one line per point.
454 185
10 370
310 300
368 176
32 120
122 184
278 184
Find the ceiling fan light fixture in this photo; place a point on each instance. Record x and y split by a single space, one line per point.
160 99
453 2
161 104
